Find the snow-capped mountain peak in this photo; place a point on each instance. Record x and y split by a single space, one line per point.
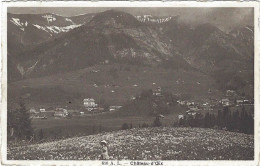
35 29
49 17
69 20
19 23
56 29
153 19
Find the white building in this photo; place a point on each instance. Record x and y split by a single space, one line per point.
90 104
32 110
225 102
114 107
42 110
181 116
157 91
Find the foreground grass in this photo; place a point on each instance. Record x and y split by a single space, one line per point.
163 143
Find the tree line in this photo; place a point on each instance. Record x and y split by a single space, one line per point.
19 123
238 121
156 123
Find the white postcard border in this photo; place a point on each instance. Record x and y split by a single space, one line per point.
165 4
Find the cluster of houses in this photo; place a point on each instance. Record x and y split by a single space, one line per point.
189 113
89 107
238 102
43 114
233 99
157 91
196 108
89 104
92 106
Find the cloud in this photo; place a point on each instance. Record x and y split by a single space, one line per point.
224 18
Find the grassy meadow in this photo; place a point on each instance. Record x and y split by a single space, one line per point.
163 143
54 128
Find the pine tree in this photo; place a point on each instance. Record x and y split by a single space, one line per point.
235 121
219 119
251 124
130 126
93 129
225 117
24 122
100 128
157 122
182 122
212 120
206 120
229 118
19 122
144 125
41 135
242 118
125 126
12 122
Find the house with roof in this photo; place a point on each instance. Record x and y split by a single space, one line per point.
192 113
114 107
42 110
61 113
157 91
89 104
181 116
225 102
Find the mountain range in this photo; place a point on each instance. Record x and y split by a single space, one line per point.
43 45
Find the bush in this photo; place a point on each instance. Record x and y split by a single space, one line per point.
144 125
125 126
157 122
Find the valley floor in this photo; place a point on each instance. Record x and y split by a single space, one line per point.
163 143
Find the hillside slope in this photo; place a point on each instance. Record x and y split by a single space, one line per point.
146 143
27 31
119 37
113 83
179 58
108 36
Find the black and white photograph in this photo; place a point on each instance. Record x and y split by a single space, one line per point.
130 83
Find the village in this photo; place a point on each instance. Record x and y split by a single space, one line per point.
90 107
193 108
230 100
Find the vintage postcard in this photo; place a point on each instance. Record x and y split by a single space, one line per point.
130 83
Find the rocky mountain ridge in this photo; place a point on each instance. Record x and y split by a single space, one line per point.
118 37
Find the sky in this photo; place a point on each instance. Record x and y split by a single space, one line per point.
224 18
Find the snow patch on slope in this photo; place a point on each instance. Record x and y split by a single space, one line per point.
30 69
40 27
69 20
49 18
150 18
17 22
56 29
249 29
20 69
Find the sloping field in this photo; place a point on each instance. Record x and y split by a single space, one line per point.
114 84
147 143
